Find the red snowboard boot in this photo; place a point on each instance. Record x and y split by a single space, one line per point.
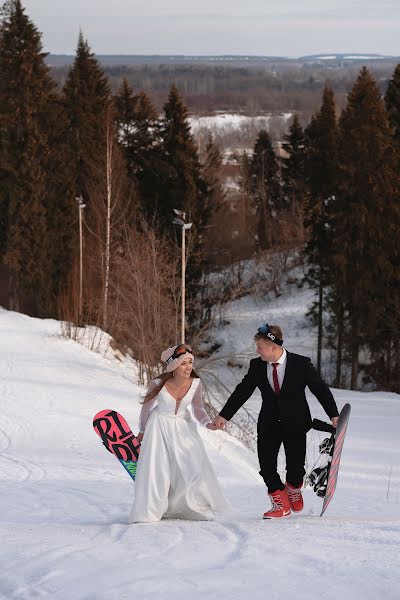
295 497
280 505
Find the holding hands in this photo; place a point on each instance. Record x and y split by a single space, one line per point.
218 423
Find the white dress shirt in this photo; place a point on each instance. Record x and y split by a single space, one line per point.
280 370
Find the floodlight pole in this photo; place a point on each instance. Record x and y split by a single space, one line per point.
183 284
81 206
180 220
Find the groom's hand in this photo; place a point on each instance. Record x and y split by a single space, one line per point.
219 422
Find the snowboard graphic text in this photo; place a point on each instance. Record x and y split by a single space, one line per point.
118 438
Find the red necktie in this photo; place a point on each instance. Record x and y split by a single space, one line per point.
275 378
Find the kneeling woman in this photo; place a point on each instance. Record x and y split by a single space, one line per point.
174 477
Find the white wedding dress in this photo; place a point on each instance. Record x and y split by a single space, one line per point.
174 476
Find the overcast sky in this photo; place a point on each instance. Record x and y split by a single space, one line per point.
280 27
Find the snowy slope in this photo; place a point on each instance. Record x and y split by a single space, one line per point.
64 500
241 318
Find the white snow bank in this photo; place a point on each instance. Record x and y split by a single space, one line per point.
64 500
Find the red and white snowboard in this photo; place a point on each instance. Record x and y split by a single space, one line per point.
118 438
324 474
337 453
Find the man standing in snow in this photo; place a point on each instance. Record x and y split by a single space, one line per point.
284 418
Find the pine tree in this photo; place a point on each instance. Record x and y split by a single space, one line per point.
140 137
265 190
321 171
87 98
390 374
211 169
26 93
184 187
125 104
60 204
86 93
367 223
392 101
293 166
139 129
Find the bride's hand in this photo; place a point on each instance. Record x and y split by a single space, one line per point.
139 437
211 426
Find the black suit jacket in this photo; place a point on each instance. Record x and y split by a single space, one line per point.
289 409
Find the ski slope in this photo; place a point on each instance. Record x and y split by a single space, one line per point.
64 500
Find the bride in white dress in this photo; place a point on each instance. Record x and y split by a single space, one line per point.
174 477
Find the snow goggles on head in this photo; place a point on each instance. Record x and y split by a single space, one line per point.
179 350
266 332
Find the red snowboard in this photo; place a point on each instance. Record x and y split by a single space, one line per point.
337 453
118 438
323 475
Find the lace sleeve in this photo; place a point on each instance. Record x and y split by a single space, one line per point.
147 407
198 406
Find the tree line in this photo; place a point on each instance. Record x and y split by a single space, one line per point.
253 89
340 177
81 155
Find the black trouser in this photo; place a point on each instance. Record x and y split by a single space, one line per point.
268 444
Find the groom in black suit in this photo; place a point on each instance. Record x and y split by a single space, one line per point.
284 418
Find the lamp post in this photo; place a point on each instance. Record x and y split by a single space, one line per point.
180 220
81 206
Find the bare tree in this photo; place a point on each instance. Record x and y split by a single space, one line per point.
110 208
143 292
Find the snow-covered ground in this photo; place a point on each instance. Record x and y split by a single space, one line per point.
224 123
64 500
241 318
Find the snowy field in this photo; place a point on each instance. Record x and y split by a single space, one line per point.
64 500
225 123
236 133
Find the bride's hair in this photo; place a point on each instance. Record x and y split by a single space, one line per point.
158 383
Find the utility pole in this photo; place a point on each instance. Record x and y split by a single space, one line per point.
81 206
180 219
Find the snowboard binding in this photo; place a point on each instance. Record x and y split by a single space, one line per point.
326 447
318 479
318 476
323 474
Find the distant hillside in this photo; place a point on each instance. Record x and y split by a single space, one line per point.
247 84
233 60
